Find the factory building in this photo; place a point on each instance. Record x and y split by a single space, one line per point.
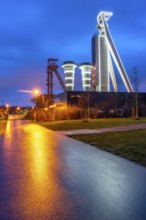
96 77
105 102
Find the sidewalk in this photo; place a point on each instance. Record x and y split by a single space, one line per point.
46 175
102 130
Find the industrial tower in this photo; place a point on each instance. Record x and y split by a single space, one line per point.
86 75
52 67
103 51
69 71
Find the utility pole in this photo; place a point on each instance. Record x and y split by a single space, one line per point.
136 85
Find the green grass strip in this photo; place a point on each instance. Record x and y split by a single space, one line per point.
130 145
91 124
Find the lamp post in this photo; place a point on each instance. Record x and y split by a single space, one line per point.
36 93
7 111
7 106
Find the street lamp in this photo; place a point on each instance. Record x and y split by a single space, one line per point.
7 106
7 111
36 92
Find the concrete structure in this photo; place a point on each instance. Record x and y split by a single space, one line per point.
103 48
69 71
86 75
100 72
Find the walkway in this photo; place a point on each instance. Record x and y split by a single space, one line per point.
103 130
46 175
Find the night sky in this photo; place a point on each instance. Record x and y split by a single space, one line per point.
31 31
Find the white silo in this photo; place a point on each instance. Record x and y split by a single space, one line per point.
86 75
69 71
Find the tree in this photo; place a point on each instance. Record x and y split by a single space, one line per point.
83 103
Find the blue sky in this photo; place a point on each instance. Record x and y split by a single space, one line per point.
31 31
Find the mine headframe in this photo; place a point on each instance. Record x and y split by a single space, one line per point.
52 67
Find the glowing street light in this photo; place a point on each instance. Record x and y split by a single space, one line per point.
7 111
36 92
36 98
7 106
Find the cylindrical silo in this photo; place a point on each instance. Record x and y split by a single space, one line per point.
86 75
69 71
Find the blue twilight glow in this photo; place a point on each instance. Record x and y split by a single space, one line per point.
32 31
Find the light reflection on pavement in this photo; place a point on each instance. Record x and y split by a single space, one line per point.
45 175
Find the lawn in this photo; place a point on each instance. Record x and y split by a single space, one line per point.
130 145
2 126
92 124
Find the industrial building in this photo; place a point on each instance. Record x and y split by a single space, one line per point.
100 74
103 52
86 76
103 101
96 78
69 72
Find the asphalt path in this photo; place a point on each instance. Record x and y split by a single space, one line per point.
46 175
103 130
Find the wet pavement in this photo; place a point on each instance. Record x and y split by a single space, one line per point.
46 175
103 130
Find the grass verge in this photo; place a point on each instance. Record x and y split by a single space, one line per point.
92 124
130 145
